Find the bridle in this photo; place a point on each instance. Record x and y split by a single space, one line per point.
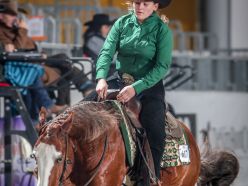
68 161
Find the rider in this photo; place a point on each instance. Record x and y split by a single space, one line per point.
144 45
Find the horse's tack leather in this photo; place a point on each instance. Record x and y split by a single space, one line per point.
133 105
132 110
135 123
172 127
111 95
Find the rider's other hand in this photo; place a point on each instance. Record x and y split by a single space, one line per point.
126 94
101 88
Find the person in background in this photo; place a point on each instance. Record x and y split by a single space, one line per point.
14 36
143 43
36 97
95 35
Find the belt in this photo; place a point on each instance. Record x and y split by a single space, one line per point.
126 79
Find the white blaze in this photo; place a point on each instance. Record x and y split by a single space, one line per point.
46 157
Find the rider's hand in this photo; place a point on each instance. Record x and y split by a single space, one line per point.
101 88
126 94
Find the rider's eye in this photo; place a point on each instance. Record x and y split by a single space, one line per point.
59 160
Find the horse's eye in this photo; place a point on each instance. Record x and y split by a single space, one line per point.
59 160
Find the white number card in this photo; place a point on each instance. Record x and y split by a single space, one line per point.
184 153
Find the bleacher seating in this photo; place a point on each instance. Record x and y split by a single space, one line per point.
11 95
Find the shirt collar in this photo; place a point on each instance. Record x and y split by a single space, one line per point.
148 20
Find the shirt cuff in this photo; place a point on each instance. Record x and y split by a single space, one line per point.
101 74
139 86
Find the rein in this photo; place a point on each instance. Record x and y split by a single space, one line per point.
153 177
99 163
136 126
68 161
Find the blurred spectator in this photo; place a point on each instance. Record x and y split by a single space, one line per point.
14 36
96 34
37 97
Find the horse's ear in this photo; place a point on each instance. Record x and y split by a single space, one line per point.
67 124
42 116
42 119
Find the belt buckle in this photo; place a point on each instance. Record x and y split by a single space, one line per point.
127 79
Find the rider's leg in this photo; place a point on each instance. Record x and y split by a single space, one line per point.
153 120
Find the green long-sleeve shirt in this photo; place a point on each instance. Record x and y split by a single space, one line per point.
144 50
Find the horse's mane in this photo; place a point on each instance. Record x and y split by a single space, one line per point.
90 119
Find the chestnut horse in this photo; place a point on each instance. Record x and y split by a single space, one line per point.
84 146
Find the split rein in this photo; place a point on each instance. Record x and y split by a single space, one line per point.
68 161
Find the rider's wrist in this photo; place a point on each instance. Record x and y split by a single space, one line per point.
97 80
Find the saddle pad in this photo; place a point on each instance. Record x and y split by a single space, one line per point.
176 152
130 145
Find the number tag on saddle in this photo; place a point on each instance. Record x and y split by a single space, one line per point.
184 153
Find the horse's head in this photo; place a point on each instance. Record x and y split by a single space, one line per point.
51 150
81 146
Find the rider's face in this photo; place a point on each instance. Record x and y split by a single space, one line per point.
143 9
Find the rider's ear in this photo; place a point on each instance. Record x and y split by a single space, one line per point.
68 122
